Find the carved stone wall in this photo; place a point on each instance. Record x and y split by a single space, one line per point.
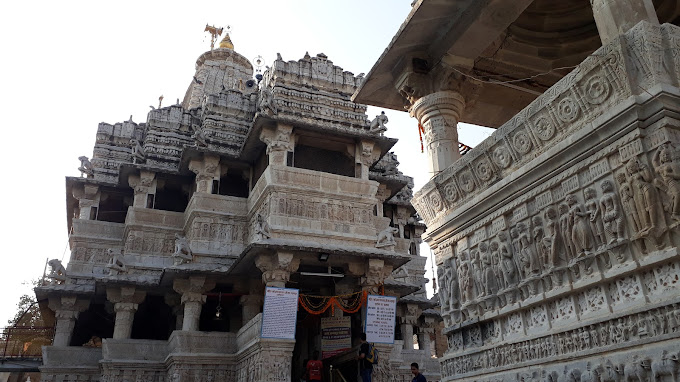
557 238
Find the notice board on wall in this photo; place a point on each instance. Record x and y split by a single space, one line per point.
279 315
381 315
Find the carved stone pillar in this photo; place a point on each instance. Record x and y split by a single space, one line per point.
439 114
144 186
251 305
276 268
207 170
125 301
424 333
408 320
66 309
175 303
364 157
88 201
382 195
616 17
280 141
192 290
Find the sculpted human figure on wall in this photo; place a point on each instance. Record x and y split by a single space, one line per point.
516 251
465 279
565 231
477 276
527 251
451 280
592 207
495 264
490 285
443 288
538 238
611 214
551 240
629 208
644 195
666 166
580 232
508 266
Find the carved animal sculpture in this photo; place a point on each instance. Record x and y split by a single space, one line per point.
611 373
637 369
667 366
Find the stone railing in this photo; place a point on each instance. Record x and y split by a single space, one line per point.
94 230
249 332
154 218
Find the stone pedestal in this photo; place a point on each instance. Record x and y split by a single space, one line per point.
125 301
438 113
66 308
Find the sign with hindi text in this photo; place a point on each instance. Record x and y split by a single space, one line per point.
381 315
336 335
279 314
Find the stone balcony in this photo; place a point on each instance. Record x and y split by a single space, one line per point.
89 241
313 206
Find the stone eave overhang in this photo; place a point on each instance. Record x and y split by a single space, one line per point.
402 288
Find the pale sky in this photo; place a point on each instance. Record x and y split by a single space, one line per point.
68 65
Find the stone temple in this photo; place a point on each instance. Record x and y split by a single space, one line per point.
178 224
556 238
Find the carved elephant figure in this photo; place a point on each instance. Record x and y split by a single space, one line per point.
667 366
637 369
611 372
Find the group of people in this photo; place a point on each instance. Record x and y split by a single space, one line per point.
314 367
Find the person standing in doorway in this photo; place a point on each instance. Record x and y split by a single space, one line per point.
365 367
417 377
314 367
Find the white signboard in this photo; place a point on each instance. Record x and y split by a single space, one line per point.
381 314
279 314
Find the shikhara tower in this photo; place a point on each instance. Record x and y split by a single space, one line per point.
244 184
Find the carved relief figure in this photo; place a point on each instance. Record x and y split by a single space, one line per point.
565 230
626 193
667 366
611 214
590 374
465 280
592 207
261 228
267 104
182 252
490 285
495 264
378 124
668 169
611 373
477 276
451 279
138 153
637 369
508 266
527 252
514 235
644 195
85 167
57 271
538 238
580 232
551 240
443 288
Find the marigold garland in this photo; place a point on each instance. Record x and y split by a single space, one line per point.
421 130
354 302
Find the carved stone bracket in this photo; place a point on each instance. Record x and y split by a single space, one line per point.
276 269
280 141
374 275
206 170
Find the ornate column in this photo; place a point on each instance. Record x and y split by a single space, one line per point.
192 290
251 305
175 303
88 200
125 301
280 141
364 156
66 310
616 17
276 268
207 170
144 185
424 332
407 321
438 113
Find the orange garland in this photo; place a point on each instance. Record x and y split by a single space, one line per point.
331 302
421 130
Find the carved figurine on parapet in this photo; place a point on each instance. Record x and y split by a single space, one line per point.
138 153
57 273
85 167
199 136
182 254
378 124
116 264
386 238
261 228
267 104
